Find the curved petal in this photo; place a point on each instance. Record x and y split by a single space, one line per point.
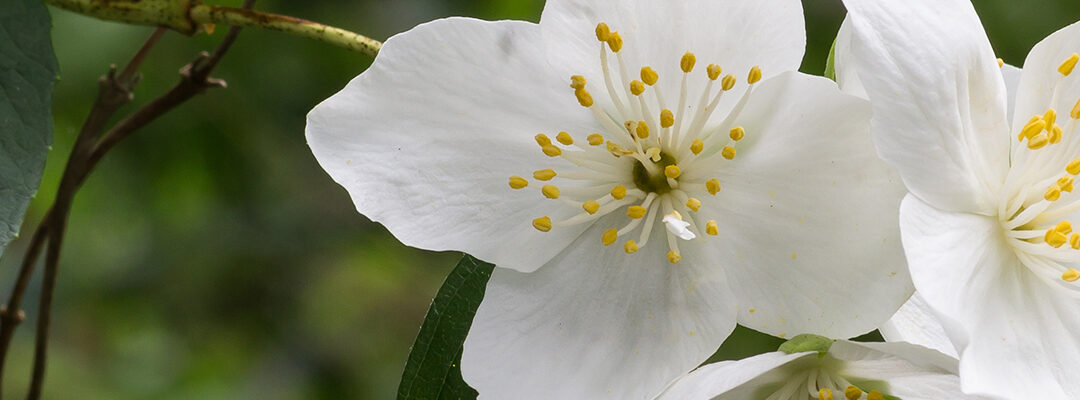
847 72
1012 86
1041 77
808 214
911 372
1015 335
938 97
426 139
915 323
596 323
729 379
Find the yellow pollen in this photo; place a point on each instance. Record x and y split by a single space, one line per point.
543 140
852 392
755 75
713 186
1038 141
630 247
693 204
1066 183
1032 128
653 154
617 150
875 395
544 174
1064 227
1075 113
1052 193
1070 275
614 42
728 82
518 182
552 151
564 138
1074 241
1050 118
714 71
542 224
1067 66
636 212
673 256
712 228
637 88
1000 62
672 171
1073 167
642 130
1055 135
609 237
550 191
596 139
687 62
603 32
667 118
618 192
1055 239
825 394
577 82
649 76
697 146
583 97
728 152
591 206
737 133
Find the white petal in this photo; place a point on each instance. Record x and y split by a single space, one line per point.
732 379
910 371
678 227
1012 85
808 214
938 96
1014 334
915 323
426 139
595 323
1041 76
847 73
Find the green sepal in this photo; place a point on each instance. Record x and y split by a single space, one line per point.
807 342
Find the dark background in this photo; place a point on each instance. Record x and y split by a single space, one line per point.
209 257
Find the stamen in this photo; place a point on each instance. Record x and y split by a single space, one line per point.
615 42
1038 141
1071 275
649 76
583 97
852 392
543 140
552 151
564 138
544 174
630 247
1033 127
713 186
697 146
1074 241
1050 118
603 32
1075 113
674 257
825 394
637 88
712 228
728 152
667 119
542 224
636 212
591 206
1073 167
737 133
1065 183
642 130
687 62
609 237
693 204
1000 62
875 395
517 182
550 191
728 82
755 75
596 139
1052 193
1067 66
672 171
618 192
577 82
714 71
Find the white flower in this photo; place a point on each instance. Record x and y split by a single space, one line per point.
986 228
824 370
604 121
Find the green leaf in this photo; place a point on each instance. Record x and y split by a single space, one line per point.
433 370
830 63
28 70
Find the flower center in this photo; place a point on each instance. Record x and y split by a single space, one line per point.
822 384
645 161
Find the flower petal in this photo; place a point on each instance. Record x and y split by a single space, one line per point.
732 379
938 97
1012 86
1041 76
597 323
1014 334
915 323
809 214
910 371
847 73
426 139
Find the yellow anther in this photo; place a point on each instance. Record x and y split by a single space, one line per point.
564 138
577 82
728 82
630 247
755 75
609 237
649 76
617 150
1055 239
603 32
667 118
672 171
637 88
614 42
596 139
550 191
1053 193
544 174
636 212
1000 62
852 392
1075 113
642 130
618 192
1073 167
543 140
1050 118
1065 183
687 62
552 151
737 133
824 394
1033 127
673 257
653 153
697 146
1063 227
1055 135
875 395
1071 275
1067 66
1038 141
728 152
518 182
693 204
591 206
714 71
542 224
1074 241
583 97
712 228
713 186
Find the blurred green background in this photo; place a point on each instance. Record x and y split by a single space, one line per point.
210 258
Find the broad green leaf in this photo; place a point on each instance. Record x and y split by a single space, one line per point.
433 370
28 70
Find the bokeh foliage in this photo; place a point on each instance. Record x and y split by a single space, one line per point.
209 257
